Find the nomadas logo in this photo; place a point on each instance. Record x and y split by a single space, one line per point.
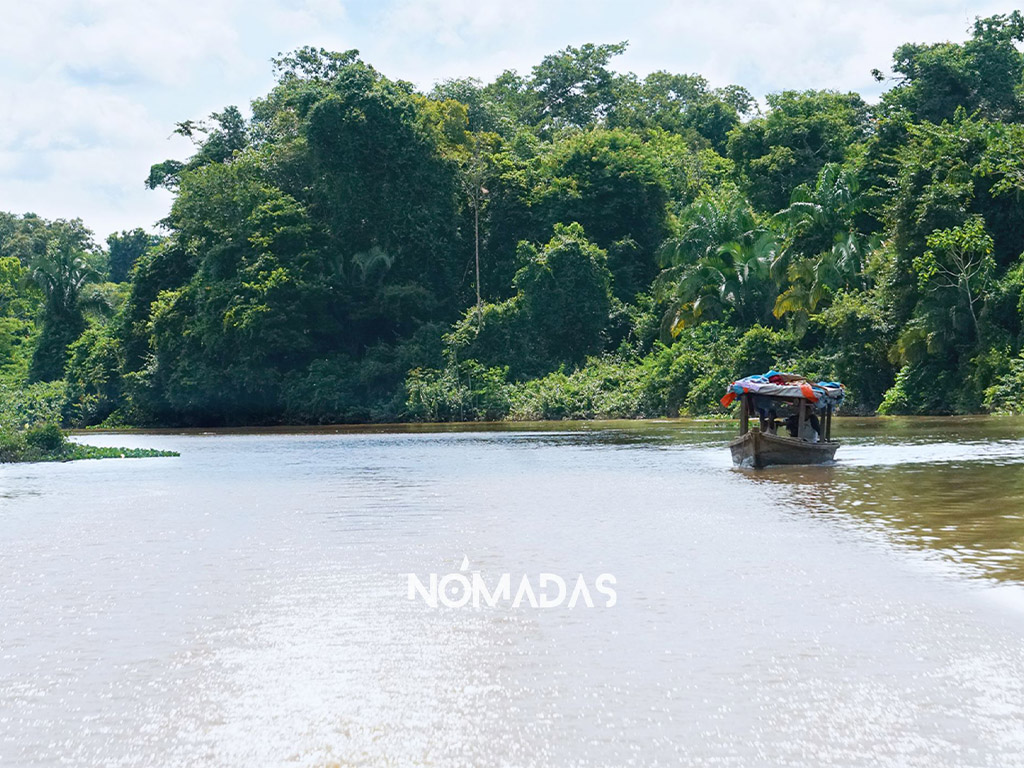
463 588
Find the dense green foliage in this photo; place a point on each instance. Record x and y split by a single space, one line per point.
639 243
48 443
29 428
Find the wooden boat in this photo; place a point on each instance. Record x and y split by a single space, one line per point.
759 449
809 422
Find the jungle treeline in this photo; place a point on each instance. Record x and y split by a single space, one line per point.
569 243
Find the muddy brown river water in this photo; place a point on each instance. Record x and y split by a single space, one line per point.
248 603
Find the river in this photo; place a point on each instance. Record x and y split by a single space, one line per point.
248 603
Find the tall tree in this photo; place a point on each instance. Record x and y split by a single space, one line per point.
574 87
126 248
62 272
957 270
801 132
680 104
981 75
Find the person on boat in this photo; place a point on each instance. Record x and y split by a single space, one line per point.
812 428
767 414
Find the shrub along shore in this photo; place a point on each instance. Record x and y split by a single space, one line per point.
48 442
29 430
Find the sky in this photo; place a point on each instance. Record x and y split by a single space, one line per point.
90 91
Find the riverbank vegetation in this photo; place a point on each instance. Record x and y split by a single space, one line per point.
29 431
568 242
48 443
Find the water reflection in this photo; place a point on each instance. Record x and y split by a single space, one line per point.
915 481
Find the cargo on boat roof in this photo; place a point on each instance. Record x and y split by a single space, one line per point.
822 394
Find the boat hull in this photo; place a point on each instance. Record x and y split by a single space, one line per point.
758 450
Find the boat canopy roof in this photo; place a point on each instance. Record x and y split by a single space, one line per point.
790 385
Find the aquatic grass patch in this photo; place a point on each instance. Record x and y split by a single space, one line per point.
48 443
76 451
17 451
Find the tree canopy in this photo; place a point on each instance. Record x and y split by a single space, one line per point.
634 243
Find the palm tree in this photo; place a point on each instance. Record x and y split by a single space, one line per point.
824 253
813 279
817 216
722 261
821 211
62 272
709 222
736 277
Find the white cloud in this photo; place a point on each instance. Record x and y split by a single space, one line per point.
90 89
91 92
770 46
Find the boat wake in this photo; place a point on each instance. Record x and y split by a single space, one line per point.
870 453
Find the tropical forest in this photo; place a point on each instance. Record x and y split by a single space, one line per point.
570 242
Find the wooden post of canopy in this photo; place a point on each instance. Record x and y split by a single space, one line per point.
803 416
828 424
744 414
